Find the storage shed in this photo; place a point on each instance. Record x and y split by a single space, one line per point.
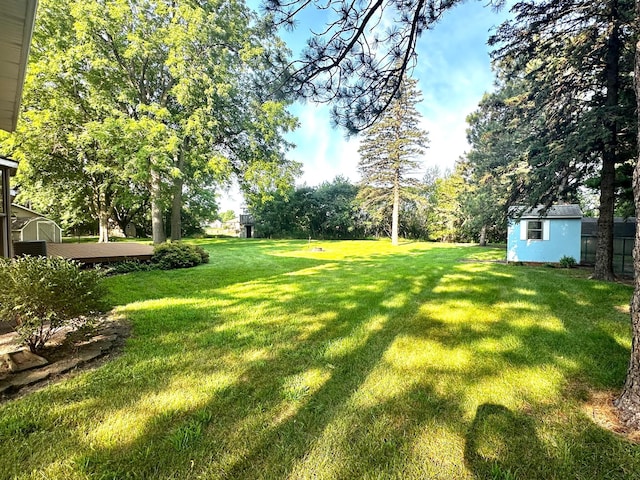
624 232
38 228
28 226
534 235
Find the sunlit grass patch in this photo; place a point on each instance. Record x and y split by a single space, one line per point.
357 361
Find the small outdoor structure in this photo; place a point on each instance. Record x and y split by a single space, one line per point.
544 237
27 226
246 226
624 231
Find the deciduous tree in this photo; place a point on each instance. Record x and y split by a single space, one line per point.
167 95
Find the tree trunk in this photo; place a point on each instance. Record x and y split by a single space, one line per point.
604 250
103 206
103 227
483 236
629 400
395 215
157 224
176 202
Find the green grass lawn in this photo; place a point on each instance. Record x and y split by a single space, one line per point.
360 361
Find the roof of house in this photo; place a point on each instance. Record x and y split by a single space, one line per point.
554 211
16 209
16 26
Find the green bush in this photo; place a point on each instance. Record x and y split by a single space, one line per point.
41 295
128 266
178 255
204 255
568 262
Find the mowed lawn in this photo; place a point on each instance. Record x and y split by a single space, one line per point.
359 361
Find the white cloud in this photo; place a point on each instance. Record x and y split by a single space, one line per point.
324 151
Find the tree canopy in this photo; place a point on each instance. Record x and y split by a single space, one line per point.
151 97
360 54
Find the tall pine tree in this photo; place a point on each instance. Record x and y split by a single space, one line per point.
573 58
390 152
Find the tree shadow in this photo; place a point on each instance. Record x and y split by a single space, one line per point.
500 444
274 399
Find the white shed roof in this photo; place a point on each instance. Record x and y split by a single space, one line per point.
16 26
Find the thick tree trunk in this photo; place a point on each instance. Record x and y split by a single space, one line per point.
395 215
157 224
629 400
176 211
103 227
604 250
176 201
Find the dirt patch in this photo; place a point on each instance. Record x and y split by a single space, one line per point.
601 410
67 353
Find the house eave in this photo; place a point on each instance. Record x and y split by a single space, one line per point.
17 19
9 164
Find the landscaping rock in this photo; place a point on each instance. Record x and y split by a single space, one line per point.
22 379
23 360
20 370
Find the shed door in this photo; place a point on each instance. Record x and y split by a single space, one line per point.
46 231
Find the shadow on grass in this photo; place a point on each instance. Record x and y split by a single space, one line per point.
286 367
505 445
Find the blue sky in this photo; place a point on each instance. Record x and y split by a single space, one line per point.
453 72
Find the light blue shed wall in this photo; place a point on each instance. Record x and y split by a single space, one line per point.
564 239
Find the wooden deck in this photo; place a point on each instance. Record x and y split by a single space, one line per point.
100 252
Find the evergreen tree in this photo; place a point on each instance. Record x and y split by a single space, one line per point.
629 400
390 152
495 166
359 59
574 59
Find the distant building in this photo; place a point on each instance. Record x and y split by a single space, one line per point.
246 226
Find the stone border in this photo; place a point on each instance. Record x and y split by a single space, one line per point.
83 350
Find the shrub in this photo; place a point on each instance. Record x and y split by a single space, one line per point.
568 262
204 255
41 295
128 266
178 255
